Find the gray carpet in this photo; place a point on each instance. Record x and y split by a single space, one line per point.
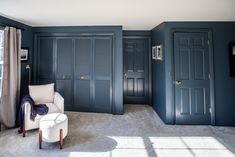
138 133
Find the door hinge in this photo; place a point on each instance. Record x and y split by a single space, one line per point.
208 42
210 110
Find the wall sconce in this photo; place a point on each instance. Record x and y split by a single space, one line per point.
27 67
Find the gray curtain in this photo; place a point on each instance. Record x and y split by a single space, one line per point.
11 76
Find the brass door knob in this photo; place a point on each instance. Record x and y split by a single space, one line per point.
82 77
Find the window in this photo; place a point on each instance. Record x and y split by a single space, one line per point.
1 58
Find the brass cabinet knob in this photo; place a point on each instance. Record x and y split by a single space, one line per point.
178 82
63 77
82 77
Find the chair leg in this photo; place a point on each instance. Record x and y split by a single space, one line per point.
24 132
61 138
40 139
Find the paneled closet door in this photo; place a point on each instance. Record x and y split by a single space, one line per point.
45 71
102 70
81 67
83 74
64 70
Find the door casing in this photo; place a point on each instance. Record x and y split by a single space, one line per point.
211 69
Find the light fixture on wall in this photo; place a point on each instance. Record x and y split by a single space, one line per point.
27 67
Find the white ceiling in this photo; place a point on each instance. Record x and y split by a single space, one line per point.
132 14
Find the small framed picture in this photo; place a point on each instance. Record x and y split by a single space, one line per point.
24 54
157 53
154 52
233 49
232 58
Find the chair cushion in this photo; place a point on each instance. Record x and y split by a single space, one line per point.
42 94
52 108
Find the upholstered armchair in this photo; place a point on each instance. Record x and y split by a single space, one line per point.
57 106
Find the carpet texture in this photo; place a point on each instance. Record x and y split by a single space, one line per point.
137 133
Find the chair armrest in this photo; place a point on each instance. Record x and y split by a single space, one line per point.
59 101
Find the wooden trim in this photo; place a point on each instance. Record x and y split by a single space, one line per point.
40 139
212 77
74 34
61 138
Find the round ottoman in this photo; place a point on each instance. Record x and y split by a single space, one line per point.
53 127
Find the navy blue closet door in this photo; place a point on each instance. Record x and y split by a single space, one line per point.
192 82
136 71
45 71
83 74
64 70
81 67
102 70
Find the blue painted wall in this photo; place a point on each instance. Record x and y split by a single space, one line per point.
27 42
223 33
137 33
158 74
118 62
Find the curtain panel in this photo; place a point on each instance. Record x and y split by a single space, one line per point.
11 77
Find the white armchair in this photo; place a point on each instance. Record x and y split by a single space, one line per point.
56 107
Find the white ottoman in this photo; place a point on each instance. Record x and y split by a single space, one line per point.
53 127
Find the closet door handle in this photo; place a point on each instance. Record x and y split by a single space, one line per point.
82 77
